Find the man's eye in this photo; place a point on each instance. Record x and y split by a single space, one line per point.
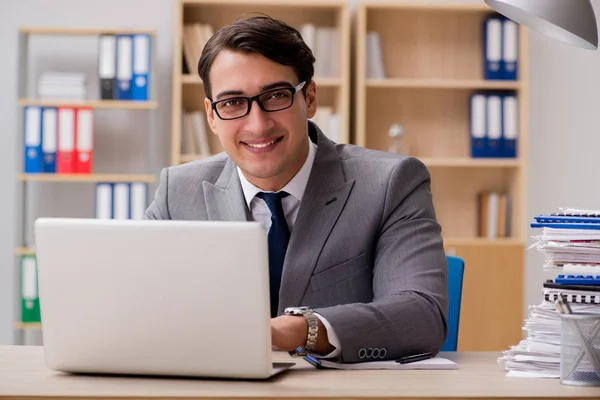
231 103
279 95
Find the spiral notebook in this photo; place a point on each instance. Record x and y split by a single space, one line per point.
581 296
576 212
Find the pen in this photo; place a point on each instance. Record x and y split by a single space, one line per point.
312 360
414 358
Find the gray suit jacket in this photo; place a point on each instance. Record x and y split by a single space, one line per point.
366 251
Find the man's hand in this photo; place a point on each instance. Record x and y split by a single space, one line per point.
289 332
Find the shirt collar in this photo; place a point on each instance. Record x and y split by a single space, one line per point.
295 187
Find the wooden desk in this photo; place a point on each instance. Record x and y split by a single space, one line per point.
23 375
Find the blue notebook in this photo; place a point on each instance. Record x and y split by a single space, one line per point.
577 280
567 225
553 218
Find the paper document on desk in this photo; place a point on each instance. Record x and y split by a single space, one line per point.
431 363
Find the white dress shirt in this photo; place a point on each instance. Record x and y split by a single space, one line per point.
291 205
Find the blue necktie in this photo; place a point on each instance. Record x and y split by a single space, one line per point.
278 238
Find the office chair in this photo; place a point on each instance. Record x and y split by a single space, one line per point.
456 268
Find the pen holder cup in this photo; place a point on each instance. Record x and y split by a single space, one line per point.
580 349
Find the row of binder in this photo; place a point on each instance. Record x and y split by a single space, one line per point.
124 66
121 200
494 124
58 140
501 48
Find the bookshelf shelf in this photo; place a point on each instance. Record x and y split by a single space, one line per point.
87 178
431 64
471 162
427 6
431 83
82 31
113 104
28 325
269 3
333 90
24 251
188 79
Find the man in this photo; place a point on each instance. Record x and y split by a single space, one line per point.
353 237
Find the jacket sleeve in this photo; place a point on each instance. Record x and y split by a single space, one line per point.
159 208
408 313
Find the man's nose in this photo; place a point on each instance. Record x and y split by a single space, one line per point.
257 120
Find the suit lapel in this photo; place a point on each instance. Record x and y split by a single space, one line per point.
225 199
324 199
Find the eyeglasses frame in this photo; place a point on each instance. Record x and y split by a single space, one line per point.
252 99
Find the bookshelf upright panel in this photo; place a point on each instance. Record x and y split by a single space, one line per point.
333 89
432 64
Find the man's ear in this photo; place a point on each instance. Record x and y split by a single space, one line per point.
311 99
210 116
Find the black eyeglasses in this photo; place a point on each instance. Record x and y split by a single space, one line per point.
270 101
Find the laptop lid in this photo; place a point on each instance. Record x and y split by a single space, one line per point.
187 298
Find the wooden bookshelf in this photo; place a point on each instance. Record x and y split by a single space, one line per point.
89 178
433 62
188 94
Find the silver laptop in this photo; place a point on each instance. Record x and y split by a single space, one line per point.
172 298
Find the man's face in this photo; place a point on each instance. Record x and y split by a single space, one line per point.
269 147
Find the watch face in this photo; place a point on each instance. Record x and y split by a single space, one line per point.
295 310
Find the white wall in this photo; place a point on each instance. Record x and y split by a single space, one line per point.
564 119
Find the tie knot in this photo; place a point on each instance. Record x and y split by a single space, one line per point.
273 201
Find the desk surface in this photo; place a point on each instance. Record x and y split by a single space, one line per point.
23 374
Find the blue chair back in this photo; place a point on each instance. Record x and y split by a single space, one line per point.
456 268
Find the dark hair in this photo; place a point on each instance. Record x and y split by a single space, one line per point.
264 35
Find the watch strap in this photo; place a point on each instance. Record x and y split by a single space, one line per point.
313 331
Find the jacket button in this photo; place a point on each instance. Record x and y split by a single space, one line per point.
362 353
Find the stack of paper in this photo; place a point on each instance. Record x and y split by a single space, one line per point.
571 245
62 85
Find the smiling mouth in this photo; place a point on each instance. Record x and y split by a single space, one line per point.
263 145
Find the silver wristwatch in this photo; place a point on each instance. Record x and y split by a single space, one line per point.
313 329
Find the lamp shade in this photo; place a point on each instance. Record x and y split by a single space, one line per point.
570 21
